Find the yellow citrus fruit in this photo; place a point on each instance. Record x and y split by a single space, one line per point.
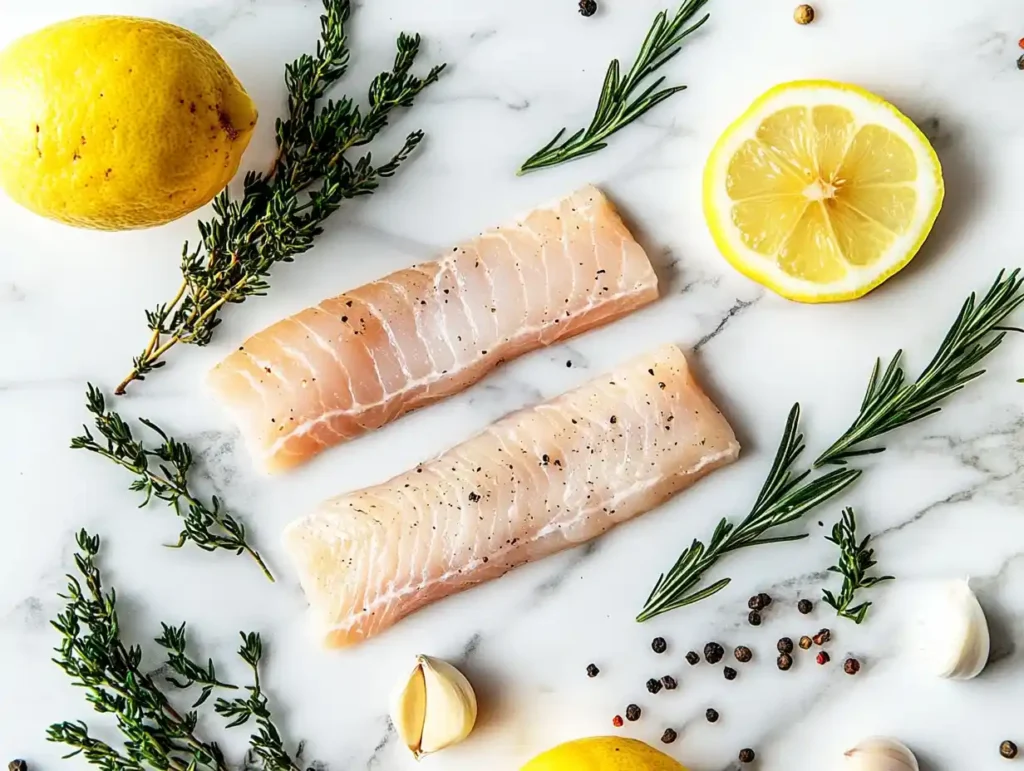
821 191
115 122
603 753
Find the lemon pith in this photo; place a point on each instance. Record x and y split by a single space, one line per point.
115 122
821 191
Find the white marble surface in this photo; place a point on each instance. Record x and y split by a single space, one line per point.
946 497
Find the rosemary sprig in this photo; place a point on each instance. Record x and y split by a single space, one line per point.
620 104
91 652
887 405
890 402
280 213
155 734
855 560
162 472
784 498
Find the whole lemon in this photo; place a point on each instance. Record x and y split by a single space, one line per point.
603 753
116 122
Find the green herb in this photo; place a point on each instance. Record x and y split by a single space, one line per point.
280 213
622 100
155 735
162 472
888 404
855 560
785 498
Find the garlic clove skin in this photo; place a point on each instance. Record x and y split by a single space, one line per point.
434 708
881 753
958 643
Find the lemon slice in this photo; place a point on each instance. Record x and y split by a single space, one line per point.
821 191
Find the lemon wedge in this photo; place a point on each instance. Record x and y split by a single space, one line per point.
821 191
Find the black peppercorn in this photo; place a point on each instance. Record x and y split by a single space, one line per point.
765 599
851 666
669 682
592 671
747 756
755 602
692 658
588 7
730 673
743 654
1020 62
754 618
711 716
669 736
632 713
713 652
1007 749
785 645
658 645
653 686
785 662
17 765
806 643
822 637
805 606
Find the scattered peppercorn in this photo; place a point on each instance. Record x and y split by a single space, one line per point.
1020 63
653 686
1020 43
823 658
743 654
806 642
669 682
747 756
755 602
692 658
1008 750
822 637
658 645
588 7
803 14
617 721
766 599
754 618
730 673
711 716
669 736
785 645
805 606
21 765
713 652
785 662
851 666
592 671
632 713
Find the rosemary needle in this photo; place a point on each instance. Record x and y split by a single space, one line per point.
888 404
162 472
280 213
620 103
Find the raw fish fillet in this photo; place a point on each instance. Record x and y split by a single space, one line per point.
362 359
537 482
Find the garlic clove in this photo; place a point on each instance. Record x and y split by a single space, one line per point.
881 753
957 643
435 708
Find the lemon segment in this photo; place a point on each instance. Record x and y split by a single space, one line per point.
821 191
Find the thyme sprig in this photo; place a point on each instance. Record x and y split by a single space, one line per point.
890 402
785 497
162 472
155 734
280 213
887 405
855 560
620 104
